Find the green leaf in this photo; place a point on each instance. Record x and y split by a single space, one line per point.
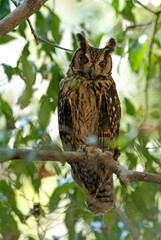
53 88
5 109
69 56
127 11
6 38
59 192
74 211
98 39
25 98
144 205
25 51
153 66
132 159
22 28
5 8
70 223
44 111
110 219
75 45
55 30
8 226
28 67
9 71
8 192
48 50
115 4
40 24
129 107
156 113
136 55
27 71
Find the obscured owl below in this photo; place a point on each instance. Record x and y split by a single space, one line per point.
89 109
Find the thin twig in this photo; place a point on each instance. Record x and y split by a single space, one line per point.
33 31
15 3
54 45
148 8
148 69
128 224
141 25
37 39
30 25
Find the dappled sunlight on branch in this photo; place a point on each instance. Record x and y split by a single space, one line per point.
105 159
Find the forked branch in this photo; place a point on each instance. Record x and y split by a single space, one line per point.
20 14
37 39
125 176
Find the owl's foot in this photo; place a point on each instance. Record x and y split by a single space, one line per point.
82 148
103 160
90 149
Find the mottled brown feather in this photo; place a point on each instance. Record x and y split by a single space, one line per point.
88 105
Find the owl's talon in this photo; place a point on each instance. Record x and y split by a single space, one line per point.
89 149
104 162
82 148
97 151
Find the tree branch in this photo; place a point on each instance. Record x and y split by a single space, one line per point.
20 14
29 23
37 39
125 176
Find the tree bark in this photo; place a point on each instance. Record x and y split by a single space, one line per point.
125 176
20 14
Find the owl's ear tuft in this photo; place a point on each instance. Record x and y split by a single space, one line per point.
82 39
110 45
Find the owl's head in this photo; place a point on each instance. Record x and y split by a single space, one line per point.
92 63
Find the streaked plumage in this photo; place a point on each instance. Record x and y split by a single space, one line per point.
89 106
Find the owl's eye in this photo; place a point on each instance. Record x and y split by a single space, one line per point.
102 63
84 59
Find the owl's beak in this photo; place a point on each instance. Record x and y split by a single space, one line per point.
92 72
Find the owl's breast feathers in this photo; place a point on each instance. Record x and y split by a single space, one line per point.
89 108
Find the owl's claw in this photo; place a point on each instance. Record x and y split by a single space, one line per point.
89 149
97 151
105 159
82 148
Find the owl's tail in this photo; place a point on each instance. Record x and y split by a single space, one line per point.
103 199
97 184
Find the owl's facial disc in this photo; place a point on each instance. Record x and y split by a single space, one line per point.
92 63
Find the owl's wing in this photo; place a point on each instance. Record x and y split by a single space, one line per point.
109 118
65 119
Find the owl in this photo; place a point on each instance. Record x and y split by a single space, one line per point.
89 119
